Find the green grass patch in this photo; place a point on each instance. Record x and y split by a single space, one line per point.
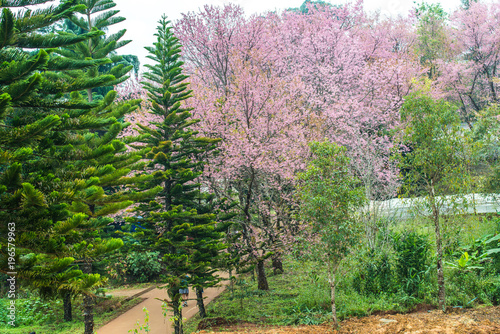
46 316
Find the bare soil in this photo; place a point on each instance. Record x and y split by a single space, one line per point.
482 320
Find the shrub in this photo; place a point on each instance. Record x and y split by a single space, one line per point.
34 311
144 266
376 273
465 288
114 267
412 259
494 294
473 273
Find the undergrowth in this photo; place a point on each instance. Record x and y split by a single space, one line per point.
45 316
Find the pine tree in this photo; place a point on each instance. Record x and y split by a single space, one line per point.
35 118
99 14
53 164
207 242
172 218
107 164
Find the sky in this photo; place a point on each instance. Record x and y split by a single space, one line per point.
142 16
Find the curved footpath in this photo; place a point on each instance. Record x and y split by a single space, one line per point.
157 322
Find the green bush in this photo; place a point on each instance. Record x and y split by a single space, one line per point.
473 275
375 275
33 311
412 261
466 288
144 266
494 294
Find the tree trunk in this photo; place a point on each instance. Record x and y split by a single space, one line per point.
332 292
277 265
201 304
89 94
261 276
88 314
439 257
68 314
88 305
231 283
176 303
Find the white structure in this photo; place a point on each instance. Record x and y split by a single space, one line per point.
402 209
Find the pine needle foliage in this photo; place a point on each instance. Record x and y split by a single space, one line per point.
175 228
98 15
59 155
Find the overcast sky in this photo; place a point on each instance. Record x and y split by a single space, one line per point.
143 15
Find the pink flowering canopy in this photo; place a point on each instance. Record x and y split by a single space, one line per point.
269 84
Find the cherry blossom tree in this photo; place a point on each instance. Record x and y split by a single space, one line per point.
259 119
241 98
356 70
470 78
351 70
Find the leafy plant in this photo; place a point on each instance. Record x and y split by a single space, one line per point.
465 262
412 257
145 327
471 278
376 274
482 251
144 266
31 311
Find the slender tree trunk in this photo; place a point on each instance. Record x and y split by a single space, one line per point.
68 314
88 305
277 265
167 192
491 83
231 283
176 303
261 276
439 253
201 304
89 93
332 296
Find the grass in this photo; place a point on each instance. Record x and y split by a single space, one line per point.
131 286
44 317
456 230
298 296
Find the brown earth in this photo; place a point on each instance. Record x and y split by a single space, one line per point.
483 320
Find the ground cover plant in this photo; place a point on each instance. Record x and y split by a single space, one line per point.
46 316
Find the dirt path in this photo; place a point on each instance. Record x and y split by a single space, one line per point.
157 322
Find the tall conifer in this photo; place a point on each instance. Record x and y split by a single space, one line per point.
99 14
172 218
53 163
